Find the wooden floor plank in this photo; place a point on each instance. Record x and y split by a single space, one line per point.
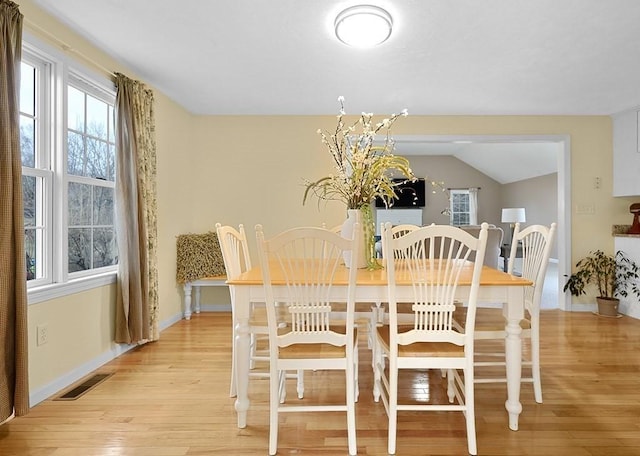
170 398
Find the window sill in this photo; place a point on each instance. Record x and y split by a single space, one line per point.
58 290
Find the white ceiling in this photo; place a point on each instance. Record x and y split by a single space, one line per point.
445 57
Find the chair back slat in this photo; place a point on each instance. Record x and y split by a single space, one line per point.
234 248
433 258
536 242
308 260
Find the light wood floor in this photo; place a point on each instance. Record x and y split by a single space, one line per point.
171 398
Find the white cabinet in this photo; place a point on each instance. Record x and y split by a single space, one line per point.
630 245
626 154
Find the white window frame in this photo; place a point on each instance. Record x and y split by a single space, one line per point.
453 212
52 150
83 83
42 166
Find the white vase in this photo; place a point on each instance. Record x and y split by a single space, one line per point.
354 216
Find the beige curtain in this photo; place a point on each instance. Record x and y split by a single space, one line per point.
14 386
137 305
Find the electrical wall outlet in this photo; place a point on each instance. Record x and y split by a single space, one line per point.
585 208
42 334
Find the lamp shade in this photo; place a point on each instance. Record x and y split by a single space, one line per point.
513 215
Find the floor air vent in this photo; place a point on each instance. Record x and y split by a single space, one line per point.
84 387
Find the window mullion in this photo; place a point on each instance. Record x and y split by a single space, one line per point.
60 187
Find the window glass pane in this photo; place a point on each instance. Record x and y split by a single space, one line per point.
75 154
103 206
96 158
91 154
27 89
111 163
79 249
27 141
29 200
30 251
97 116
79 204
104 247
75 109
112 129
460 208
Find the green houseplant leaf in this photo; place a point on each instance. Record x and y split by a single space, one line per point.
612 275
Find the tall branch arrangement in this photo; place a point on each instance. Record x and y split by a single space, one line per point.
364 169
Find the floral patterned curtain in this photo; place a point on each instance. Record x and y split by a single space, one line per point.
14 385
137 298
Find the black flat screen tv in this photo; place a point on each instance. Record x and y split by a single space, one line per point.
409 194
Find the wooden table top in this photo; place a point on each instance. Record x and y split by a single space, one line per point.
378 277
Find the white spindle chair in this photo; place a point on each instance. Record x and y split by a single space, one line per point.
302 263
434 258
235 254
536 242
377 310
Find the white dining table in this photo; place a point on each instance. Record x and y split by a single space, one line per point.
495 287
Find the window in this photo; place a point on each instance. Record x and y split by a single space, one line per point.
67 142
463 206
37 177
460 207
90 181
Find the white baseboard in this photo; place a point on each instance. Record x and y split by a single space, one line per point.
68 379
215 307
628 308
583 307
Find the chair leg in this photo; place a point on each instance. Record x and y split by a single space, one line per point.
377 370
377 317
355 373
275 382
350 375
535 361
393 407
470 415
451 387
300 384
282 386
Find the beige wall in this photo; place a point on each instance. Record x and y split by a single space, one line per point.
456 174
249 170
539 196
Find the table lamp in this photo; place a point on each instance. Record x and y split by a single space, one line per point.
513 215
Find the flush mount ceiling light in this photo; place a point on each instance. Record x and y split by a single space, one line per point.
363 26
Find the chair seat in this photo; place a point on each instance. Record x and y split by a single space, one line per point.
296 351
420 349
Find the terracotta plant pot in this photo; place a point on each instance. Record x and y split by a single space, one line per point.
608 307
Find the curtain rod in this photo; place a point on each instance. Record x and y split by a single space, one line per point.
463 188
67 48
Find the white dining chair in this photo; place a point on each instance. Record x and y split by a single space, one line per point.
303 263
536 242
236 258
433 258
377 310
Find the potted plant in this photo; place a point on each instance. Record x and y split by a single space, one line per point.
613 275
